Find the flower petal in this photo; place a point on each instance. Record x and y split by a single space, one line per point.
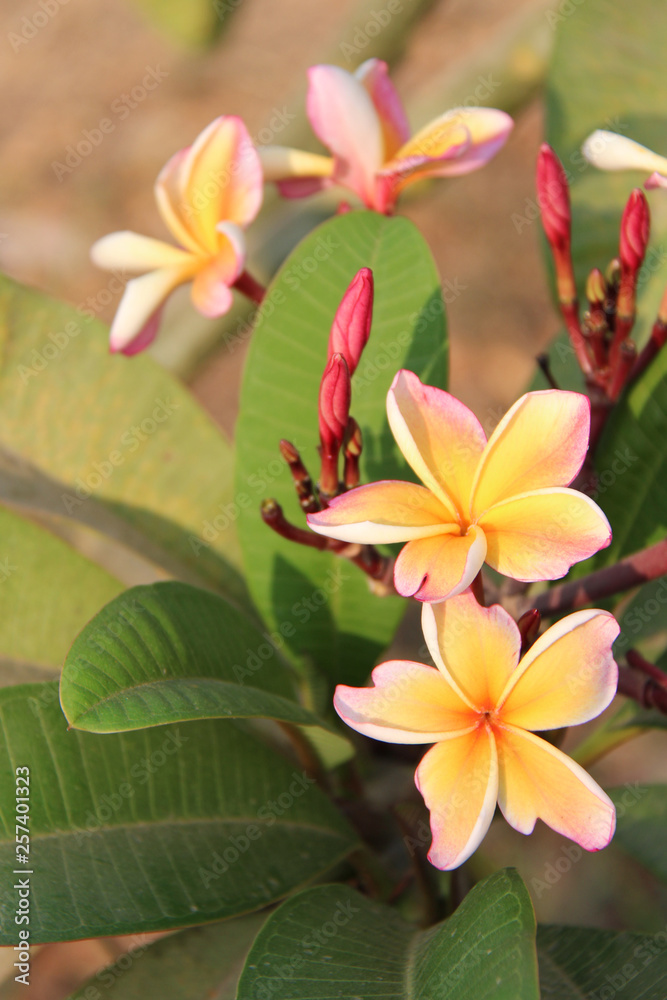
174 211
133 252
220 179
537 781
409 703
346 122
567 677
146 335
142 298
656 180
374 75
437 568
541 441
457 142
440 437
383 512
281 162
211 293
476 648
459 781
539 535
610 151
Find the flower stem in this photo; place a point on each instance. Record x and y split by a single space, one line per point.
250 287
648 564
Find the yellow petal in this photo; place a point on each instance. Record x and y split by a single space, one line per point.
567 677
409 703
459 781
280 163
539 535
171 204
541 441
435 569
220 179
439 436
381 513
476 648
133 252
537 781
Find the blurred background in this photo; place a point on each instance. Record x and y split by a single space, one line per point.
161 71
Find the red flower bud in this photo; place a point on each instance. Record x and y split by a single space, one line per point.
352 322
596 287
553 197
334 405
635 228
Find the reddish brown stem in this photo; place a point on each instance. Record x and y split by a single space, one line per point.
570 313
648 692
303 484
250 287
272 514
627 355
639 662
630 572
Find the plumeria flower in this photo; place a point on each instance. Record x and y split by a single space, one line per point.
610 151
501 501
206 194
480 708
360 119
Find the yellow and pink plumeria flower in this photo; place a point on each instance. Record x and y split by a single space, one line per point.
610 151
206 194
360 119
480 707
503 501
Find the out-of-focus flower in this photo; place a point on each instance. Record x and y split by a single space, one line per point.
480 708
360 119
610 151
206 194
503 502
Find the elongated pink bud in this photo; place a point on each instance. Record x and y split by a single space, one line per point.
334 410
635 229
553 197
352 322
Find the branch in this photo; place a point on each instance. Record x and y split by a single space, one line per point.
630 572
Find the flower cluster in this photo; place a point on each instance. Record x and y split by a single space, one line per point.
506 502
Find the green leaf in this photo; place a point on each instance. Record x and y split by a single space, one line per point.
633 457
614 84
199 964
197 23
156 829
48 591
332 942
172 653
337 621
113 442
641 815
583 962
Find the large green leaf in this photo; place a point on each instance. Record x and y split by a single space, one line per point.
640 824
615 83
584 962
49 592
171 653
114 442
332 942
202 963
338 622
156 829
